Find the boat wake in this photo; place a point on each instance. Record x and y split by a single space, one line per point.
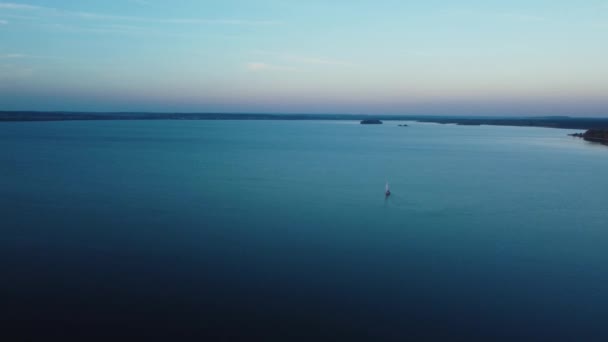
395 200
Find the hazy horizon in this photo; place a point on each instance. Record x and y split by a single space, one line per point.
354 115
522 58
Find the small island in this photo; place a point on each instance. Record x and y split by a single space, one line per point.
371 122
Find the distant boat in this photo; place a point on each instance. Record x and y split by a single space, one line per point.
388 191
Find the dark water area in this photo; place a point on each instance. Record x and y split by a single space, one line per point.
280 230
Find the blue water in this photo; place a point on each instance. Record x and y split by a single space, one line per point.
275 229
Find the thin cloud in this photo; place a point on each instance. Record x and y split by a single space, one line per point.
218 21
185 21
319 61
123 30
26 56
523 17
306 59
16 16
260 66
12 55
15 6
3 22
141 2
101 16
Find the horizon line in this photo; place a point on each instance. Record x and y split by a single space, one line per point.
302 114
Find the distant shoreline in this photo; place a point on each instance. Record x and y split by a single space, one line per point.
546 121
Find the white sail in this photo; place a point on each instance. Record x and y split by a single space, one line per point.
386 186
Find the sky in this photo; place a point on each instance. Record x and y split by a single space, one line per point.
543 57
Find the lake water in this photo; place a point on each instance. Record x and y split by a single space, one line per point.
243 229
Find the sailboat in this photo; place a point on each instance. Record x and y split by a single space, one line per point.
388 191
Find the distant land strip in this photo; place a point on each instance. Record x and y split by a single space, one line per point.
594 135
532 121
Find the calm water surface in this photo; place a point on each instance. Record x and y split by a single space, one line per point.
241 229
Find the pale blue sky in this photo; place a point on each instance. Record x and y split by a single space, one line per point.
286 56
